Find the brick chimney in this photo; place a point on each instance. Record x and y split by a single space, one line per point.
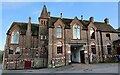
28 34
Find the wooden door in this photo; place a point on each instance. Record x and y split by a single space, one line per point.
27 64
82 56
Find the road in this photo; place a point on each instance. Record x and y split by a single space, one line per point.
0 69
74 68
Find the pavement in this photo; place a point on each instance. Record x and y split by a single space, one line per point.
74 68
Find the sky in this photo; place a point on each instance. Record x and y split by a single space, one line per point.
20 11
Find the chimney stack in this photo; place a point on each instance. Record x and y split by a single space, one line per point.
91 19
106 20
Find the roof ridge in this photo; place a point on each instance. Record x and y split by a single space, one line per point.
24 22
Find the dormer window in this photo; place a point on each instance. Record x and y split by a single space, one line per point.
92 33
15 37
76 32
59 32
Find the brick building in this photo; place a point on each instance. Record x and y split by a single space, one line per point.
58 41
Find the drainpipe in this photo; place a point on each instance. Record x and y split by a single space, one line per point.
88 48
65 47
52 60
101 46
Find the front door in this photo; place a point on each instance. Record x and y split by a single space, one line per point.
82 56
27 64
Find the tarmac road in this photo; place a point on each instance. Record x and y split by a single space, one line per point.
74 69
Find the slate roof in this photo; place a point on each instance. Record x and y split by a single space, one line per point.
23 27
44 13
101 26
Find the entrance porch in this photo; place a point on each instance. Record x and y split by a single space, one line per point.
77 54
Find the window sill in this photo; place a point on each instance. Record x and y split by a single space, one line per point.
59 54
108 40
92 39
59 38
76 39
14 43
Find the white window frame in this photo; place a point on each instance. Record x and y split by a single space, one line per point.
15 37
76 32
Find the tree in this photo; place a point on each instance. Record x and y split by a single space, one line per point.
1 56
118 29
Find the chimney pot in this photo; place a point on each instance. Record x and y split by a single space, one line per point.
60 15
81 17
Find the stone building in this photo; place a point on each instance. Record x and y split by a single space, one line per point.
58 41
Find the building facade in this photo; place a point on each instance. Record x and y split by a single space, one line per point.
58 41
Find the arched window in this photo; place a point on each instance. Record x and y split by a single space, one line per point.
109 48
76 32
93 48
59 32
11 50
92 33
17 50
15 37
59 48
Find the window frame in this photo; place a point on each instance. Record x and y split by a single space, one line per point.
93 49
15 37
11 49
59 32
92 33
59 48
16 51
109 48
108 36
76 31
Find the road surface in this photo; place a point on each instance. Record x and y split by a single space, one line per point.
74 68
